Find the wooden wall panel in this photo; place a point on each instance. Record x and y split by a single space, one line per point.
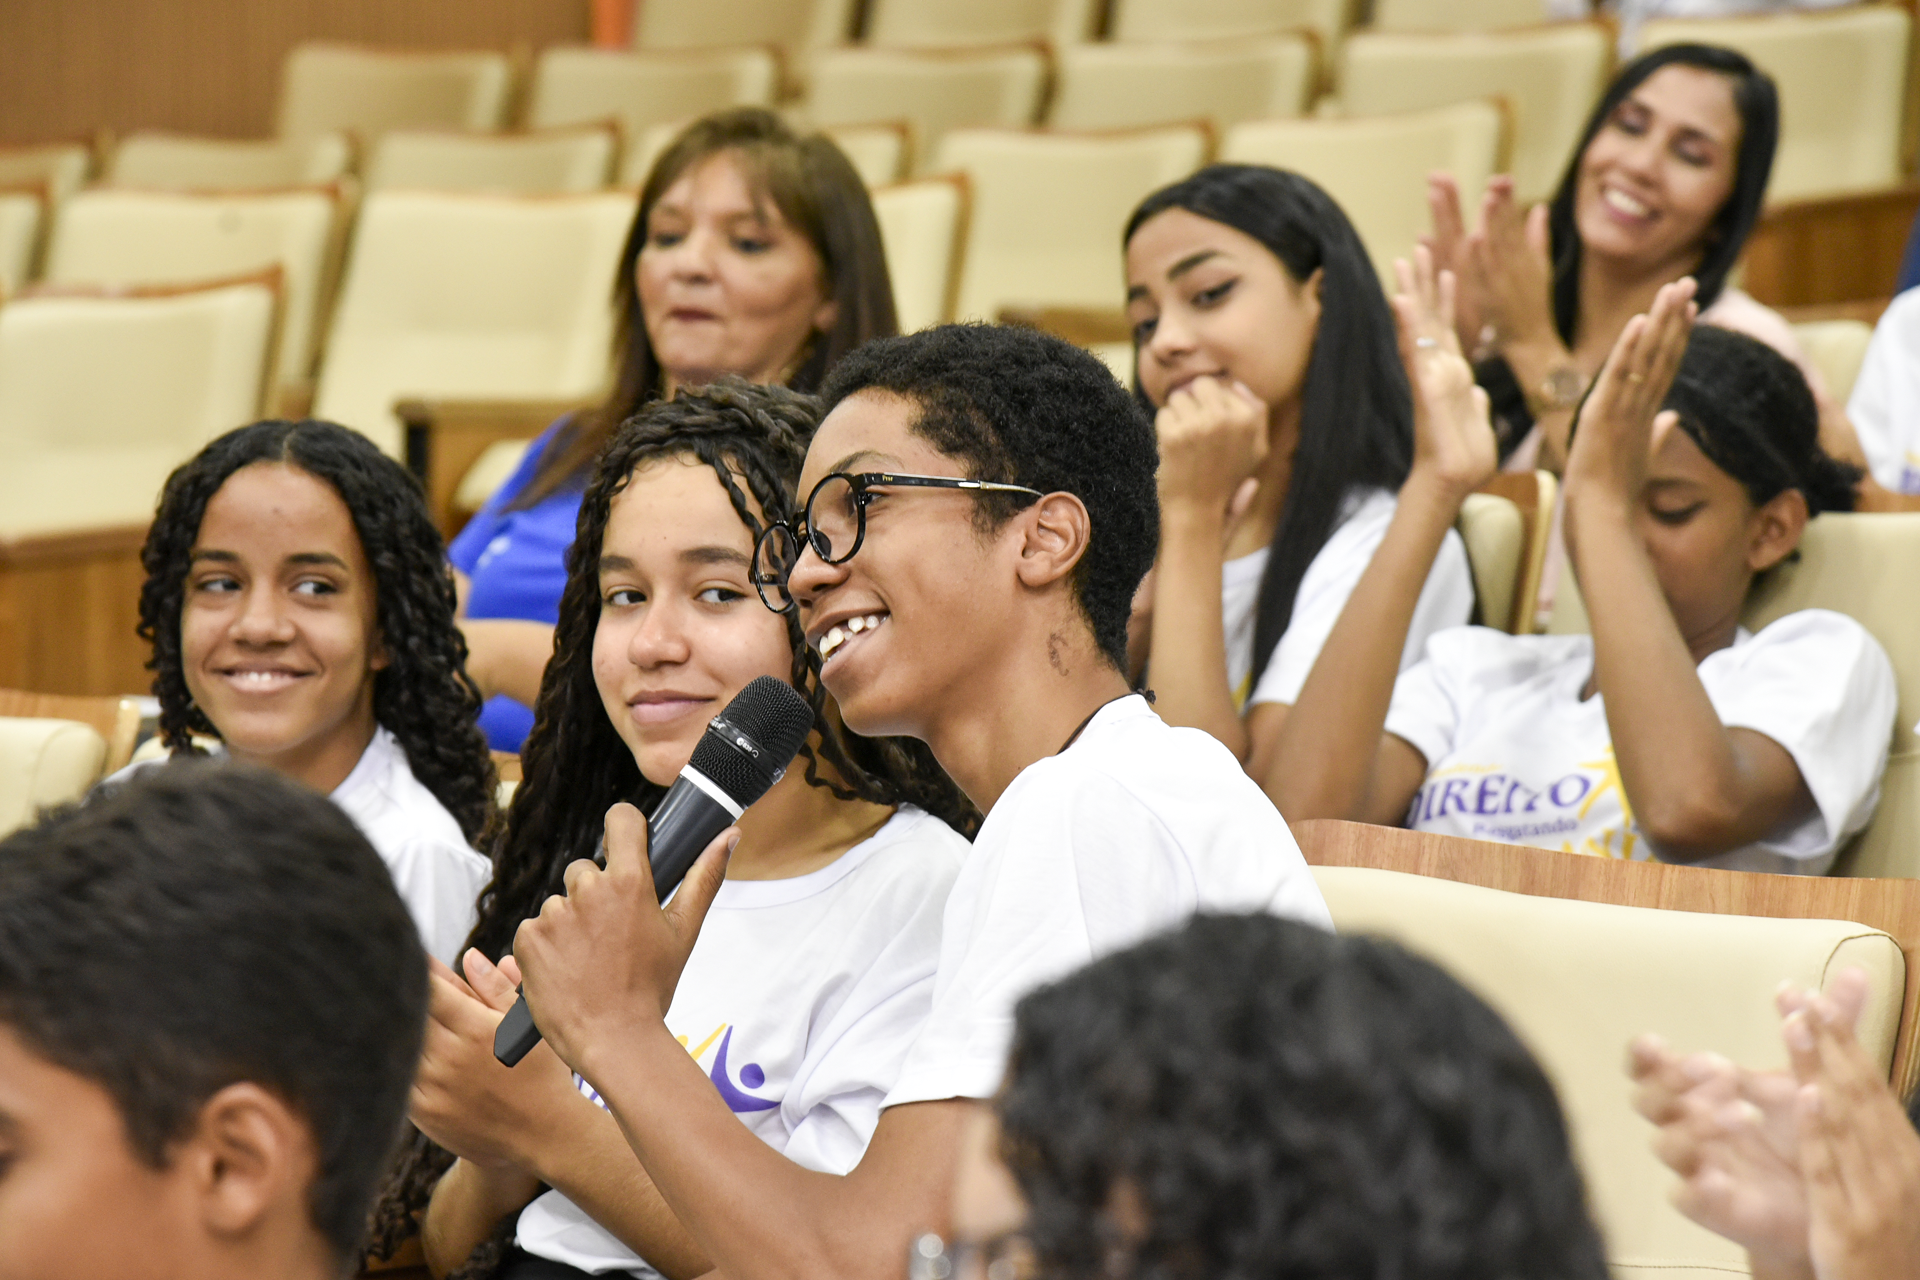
71 67
68 606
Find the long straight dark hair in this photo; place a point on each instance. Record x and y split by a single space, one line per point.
1356 411
817 190
1757 102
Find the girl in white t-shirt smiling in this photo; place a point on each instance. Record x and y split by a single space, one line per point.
1264 343
814 970
1671 731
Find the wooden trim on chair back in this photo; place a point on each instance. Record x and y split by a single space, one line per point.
1892 906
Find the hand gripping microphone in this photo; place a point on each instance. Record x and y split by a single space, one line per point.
744 751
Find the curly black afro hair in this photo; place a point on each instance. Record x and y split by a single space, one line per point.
1017 406
424 696
1283 1104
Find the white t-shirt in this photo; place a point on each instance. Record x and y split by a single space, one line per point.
1131 829
1514 754
437 872
1445 601
801 998
1885 405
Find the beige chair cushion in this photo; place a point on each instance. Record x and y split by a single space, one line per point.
1048 210
45 763
61 167
934 90
574 85
167 161
637 164
330 88
101 397
1456 15
920 228
1496 538
1549 76
20 219
1376 169
795 27
472 297
926 23
1836 348
1118 86
1231 19
493 468
1579 980
1842 80
116 237
546 161
877 152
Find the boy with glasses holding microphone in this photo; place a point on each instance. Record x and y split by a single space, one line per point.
981 507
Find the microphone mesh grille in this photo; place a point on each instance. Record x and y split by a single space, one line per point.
776 718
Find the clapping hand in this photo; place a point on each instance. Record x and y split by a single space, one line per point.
1620 422
1453 441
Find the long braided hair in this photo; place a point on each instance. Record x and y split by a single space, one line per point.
424 696
575 765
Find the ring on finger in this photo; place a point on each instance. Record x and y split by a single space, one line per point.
1426 342
1636 378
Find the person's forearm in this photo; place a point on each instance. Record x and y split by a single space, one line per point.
1767 1268
1189 655
1532 361
508 655
1677 762
594 1167
467 1204
1323 763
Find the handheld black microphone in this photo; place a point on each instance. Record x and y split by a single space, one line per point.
744 751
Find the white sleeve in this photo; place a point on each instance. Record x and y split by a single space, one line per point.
1425 709
1819 685
1446 600
441 886
1885 405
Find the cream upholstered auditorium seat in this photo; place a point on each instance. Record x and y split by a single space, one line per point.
1865 566
102 395
642 88
927 23
877 152
1836 348
107 236
934 90
1579 980
568 159
332 88
22 213
60 169
1495 534
115 719
472 297
1842 79
44 763
1116 86
1136 20
1549 76
1048 210
1456 15
179 162
796 27
1376 168
922 225
645 148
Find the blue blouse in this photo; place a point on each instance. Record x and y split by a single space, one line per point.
517 563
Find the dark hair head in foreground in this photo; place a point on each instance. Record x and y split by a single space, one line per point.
1275 1101
211 924
1017 406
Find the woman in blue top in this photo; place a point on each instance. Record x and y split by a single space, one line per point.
755 252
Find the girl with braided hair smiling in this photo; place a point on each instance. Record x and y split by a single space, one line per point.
301 612
815 968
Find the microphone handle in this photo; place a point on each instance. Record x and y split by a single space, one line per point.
687 819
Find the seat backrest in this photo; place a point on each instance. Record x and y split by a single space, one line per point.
1376 169
568 159
1143 20
931 23
21 216
934 90
107 236
1550 76
922 227
1456 15
102 396
1842 80
879 153
474 297
573 85
1837 348
44 763
1496 536
1048 209
796 27
167 161
1120 86
329 88
59 168
1578 980
115 719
